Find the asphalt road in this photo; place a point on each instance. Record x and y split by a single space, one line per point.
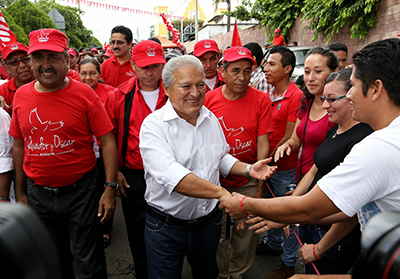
120 263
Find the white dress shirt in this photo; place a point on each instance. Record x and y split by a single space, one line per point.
172 148
6 143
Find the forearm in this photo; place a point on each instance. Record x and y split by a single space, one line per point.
20 177
5 183
305 182
193 186
307 209
110 157
335 234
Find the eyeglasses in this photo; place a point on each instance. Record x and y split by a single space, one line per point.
91 74
26 61
117 42
331 100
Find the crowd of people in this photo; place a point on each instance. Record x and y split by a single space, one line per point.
202 150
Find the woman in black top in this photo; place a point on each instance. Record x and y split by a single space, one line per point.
336 252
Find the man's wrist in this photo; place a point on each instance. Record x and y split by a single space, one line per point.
248 168
114 185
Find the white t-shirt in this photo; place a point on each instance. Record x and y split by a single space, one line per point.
211 82
151 98
6 143
368 181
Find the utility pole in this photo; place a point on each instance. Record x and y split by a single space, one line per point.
196 24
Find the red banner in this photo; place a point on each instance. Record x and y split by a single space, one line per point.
171 28
6 35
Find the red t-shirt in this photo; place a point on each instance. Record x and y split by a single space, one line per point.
115 74
314 137
73 75
220 81
115 105
57 129
7 90
102 91
278 41
284 111
3 73
242 121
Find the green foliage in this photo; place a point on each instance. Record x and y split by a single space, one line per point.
326 17
270 13
18 31
77 34
5 3
28 16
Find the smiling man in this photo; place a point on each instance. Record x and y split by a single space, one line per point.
208 53
127 107
184 150
18 63
245 117
118 69
53 124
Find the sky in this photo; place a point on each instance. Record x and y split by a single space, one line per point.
102 20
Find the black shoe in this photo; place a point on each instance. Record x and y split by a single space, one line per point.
106 241
266 250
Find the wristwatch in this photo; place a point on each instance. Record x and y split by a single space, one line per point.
248 172
112 184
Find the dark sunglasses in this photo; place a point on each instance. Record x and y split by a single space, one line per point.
15 63
331 100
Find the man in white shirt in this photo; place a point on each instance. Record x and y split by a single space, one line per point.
367 182
184 150
6 160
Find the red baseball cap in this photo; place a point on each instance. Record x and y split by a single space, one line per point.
72 52
47 39
108 53
94 49
237 53
204 46
10 48
277 30
147 53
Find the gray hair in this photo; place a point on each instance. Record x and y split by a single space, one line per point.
179 62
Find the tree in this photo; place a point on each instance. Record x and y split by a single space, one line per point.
28 16
18 31
5 3
76 32
326 17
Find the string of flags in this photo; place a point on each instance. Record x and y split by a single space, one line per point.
94 4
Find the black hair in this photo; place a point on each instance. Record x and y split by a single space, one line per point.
123 30
331 61
342 76
256 51
287 57
380 60
92 60
336 46
155 39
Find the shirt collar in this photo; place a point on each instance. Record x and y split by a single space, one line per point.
170 113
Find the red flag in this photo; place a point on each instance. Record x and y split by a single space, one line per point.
236 38
105 46
6 35
171 28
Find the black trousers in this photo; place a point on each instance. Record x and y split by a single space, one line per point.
71 218
134 208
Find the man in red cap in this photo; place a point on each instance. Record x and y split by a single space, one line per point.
94 51
54 120
18 63
278 39
118 69
245 117
73 58
208 53
72 73
127 106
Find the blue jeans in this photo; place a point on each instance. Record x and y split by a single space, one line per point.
71 218
275 238
167 245
338 259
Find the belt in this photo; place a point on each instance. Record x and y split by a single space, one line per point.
171 220
63 189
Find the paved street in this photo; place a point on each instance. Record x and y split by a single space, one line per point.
120 263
